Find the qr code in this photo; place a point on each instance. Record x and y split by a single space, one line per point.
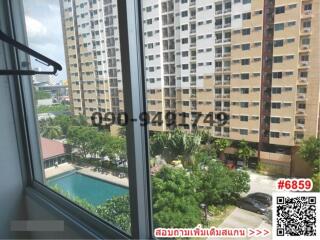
296 216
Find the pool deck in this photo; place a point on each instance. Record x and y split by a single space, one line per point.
106 177
89 171
62 168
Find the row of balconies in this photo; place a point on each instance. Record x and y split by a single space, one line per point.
225 11
225 40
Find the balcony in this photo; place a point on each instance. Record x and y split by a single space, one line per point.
300 126
218 134
226 82
301 111
218 12
226 134
226 109
306 30
219 40
218 83
305 47
227 25
302 96
304 63
218 69
193 58
218 55
218 26
227 54
307 13
226 96
192 3
303 79
226 40
218 109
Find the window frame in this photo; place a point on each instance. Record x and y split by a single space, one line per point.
131 34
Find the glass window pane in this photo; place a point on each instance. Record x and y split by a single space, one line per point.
80 111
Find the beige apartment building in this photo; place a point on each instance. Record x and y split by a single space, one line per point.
255 60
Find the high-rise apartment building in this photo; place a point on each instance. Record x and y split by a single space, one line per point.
256 60
92 52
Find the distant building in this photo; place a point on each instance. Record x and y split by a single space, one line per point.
40 80
53 152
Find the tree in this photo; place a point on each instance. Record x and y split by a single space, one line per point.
116 211
316 182
79 120
310 151
221 144
115 147
158 142
175 202
82 138
219 185
51 132
65 122
245 152
42 95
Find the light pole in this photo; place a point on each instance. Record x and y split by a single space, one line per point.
205 208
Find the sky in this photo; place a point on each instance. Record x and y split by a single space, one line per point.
44 30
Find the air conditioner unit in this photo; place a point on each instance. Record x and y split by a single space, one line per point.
307 30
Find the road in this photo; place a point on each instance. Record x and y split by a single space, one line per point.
262 183
240 218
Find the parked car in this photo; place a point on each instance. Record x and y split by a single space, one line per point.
252 205
264 198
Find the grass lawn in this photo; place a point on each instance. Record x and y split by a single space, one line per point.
219 214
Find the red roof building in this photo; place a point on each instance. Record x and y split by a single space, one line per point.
51 148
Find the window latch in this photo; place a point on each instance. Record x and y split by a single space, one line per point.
39 57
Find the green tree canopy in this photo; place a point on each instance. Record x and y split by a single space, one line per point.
220 185
310 152
83 138
116 211
51 131
245 152
221 144
175 203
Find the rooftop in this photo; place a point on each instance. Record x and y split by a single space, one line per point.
51 148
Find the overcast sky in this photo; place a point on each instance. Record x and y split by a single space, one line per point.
43 21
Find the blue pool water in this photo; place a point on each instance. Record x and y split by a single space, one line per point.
94 190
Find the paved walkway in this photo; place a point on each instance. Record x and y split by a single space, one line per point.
62 168
106 177
66 167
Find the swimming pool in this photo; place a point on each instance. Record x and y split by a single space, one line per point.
93 190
